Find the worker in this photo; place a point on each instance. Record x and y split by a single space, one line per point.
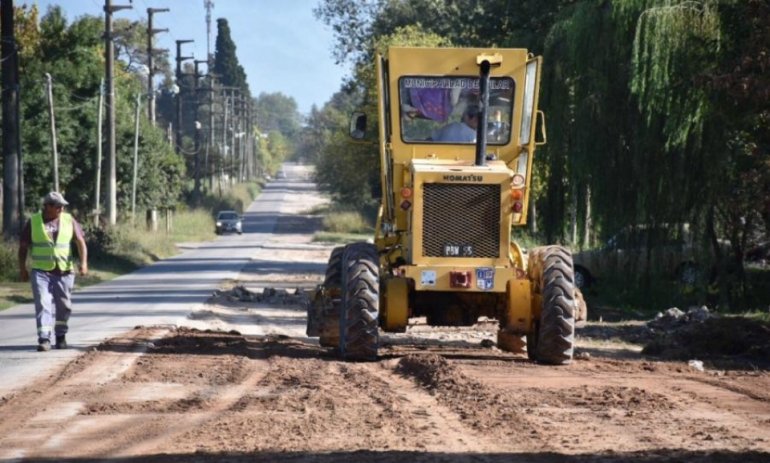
50 233
463 131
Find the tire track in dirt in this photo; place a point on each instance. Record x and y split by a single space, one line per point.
631 406
125 399
36 419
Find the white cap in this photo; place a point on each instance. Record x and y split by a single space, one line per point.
55 198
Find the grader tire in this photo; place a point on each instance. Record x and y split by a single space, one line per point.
333 277
329 335
359 336
329 311
581 308
314 313
555 332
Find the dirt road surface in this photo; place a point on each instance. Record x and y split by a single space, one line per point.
240 381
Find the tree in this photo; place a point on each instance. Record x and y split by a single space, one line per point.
72 54
226 64
277 112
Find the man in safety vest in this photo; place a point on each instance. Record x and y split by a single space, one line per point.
50 234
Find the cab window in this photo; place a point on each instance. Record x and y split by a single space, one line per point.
442 109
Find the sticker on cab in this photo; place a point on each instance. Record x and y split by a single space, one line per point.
428 278
485 278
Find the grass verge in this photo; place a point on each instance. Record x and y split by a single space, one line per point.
342 226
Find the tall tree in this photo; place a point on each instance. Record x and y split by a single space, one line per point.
226 64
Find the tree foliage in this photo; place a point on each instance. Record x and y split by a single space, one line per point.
226 65
73 54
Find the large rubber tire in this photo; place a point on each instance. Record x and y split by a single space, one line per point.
333 277
555 334
359 335
329 311
583 278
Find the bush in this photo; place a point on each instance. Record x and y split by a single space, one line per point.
237 198
345 222
9 261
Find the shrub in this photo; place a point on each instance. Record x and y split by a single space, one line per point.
345 222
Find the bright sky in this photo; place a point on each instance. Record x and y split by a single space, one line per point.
280 44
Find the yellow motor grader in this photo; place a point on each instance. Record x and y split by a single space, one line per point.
458 129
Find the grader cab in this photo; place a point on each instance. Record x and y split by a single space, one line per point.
458 129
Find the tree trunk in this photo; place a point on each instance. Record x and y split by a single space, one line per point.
10 102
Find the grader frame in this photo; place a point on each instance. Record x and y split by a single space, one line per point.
443 247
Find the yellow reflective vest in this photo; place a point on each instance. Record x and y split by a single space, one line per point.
47 254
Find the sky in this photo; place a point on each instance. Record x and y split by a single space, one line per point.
280 44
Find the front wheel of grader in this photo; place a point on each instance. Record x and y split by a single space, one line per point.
323 313
359 317
552 340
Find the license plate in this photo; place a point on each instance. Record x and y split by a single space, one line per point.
458 250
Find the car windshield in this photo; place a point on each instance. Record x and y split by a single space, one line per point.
227 216
442 109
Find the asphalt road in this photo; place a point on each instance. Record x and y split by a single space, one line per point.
161 294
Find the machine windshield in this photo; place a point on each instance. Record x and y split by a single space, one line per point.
446 109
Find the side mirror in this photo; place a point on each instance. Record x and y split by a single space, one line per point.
540 135
358 125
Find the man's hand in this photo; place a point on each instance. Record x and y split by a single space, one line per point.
24 274
83 268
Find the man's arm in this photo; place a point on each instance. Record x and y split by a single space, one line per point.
24 240
80 241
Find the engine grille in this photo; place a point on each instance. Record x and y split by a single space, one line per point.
464 215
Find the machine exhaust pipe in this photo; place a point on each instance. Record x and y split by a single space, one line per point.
481 127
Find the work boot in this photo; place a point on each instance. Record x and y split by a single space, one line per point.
44 346
61 342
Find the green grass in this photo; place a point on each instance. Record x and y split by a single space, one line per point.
341 226
345 222
341 238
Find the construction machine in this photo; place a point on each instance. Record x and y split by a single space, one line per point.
452 192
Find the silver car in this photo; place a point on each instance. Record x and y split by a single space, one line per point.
666 248
229 221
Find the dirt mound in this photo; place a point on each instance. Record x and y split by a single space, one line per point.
434 372
737 339
478 405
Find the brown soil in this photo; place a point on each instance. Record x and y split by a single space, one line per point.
190 395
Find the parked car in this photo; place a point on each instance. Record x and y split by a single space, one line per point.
229 221
758 255
666 249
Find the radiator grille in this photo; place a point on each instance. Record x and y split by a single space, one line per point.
464 215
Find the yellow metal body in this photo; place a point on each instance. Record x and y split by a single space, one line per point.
408 166
396 298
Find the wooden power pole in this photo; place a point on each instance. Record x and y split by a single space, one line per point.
12 179
109 52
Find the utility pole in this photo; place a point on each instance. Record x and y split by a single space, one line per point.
97 208
179 59
198 127
109 51
209 5
12 178
52 121
136 157
150 65
224 146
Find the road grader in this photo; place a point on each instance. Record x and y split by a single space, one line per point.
452 192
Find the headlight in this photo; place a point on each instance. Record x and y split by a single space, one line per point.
219 224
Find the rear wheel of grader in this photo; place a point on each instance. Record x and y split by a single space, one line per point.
329 311
359 336
552 341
